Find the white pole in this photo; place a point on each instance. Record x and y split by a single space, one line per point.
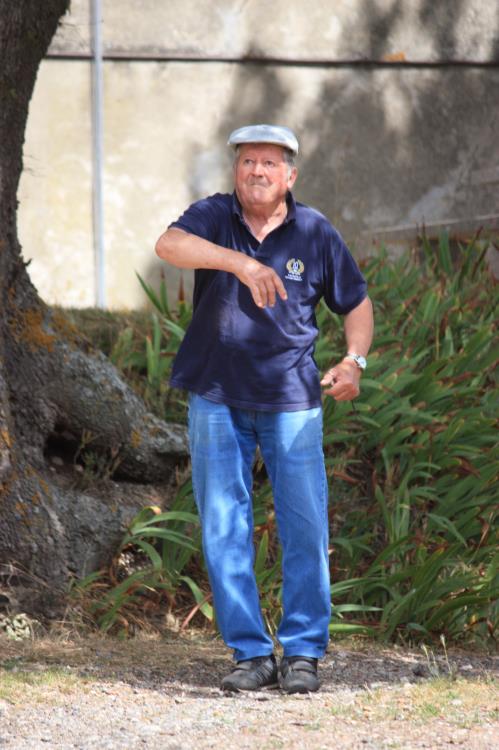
97 149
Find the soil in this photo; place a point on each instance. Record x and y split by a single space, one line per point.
151 692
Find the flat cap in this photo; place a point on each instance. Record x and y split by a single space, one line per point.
275 134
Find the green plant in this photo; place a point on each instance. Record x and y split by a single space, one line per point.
160 545
146 360
413 467
95 465
416 465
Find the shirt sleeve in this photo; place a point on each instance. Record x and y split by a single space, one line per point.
201 219
345 287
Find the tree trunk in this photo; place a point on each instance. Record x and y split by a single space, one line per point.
55 393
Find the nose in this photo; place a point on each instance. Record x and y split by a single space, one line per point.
258 168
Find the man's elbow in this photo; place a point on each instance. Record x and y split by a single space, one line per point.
165 248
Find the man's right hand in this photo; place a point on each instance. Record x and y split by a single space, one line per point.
186 250
262 281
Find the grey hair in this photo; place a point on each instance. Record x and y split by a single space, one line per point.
287 155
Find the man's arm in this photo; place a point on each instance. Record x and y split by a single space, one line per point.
342 380
186 250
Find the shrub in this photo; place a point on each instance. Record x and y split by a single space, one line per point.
413 464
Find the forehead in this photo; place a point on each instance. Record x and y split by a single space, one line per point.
261 150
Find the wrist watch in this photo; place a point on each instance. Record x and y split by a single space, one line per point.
359 360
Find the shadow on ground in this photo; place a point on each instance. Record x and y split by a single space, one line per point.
195 665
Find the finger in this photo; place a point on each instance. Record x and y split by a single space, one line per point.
329 377
342 391
344 397
281 289
347 394
257 297
270 289
339 390
264 295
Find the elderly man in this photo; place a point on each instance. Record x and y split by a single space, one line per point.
263 261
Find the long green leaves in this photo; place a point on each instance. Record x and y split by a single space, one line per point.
146 361
161 546
423 447
413 469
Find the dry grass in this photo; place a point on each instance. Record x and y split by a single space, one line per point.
459 701
370 697
40 685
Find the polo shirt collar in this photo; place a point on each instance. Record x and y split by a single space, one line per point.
290 201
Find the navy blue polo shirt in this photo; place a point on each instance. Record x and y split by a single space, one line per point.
238 354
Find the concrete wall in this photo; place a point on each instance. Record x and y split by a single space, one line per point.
294 30
394 102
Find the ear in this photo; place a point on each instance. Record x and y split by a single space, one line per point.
292 177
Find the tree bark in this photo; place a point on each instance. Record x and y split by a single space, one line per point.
55 392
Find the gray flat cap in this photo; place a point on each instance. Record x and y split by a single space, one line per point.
275 134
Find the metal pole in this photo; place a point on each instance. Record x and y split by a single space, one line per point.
97 153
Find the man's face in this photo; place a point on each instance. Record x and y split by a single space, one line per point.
261 175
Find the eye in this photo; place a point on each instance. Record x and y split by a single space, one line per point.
269 163
247 162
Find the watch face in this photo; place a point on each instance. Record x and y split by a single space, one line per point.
359 360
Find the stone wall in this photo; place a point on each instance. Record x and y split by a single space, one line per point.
394 102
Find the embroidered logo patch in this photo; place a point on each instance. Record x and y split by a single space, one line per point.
295 268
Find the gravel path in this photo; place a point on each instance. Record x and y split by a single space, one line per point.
151 693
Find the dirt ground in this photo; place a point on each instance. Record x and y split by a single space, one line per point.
150 692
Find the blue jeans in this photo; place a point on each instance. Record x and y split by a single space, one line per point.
223 441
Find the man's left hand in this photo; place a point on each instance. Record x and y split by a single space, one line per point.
342 381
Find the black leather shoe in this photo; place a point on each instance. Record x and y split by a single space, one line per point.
252 674
299 674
